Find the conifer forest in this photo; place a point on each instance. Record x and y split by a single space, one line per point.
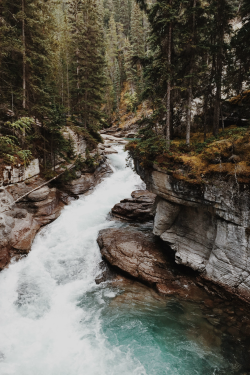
184 64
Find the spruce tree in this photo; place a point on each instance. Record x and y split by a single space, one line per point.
88 62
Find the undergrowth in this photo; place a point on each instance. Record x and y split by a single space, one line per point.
225 155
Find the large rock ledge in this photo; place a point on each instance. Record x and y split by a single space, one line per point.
207 226
141 256
140 207
134 253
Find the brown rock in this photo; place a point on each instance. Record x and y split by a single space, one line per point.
209 303
88 181
24 233
140 207
168 290
135 253
4 257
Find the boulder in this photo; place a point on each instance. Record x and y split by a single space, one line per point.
88 181
110 150
80 185
39 195
135 253
140 207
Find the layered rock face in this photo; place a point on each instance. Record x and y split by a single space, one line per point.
207 226
140 207
14 174
20 222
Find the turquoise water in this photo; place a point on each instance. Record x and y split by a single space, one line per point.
55 320
164 335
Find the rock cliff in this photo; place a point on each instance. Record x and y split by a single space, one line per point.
208 226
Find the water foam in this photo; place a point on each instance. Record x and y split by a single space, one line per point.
44 329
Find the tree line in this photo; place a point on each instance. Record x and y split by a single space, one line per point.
52 59
70 61
199 55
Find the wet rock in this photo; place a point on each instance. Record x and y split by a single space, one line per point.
106 273
209 303
110 150
131 135
23 233
170 290
140 207
88 181
135 253
20 223
80 185
233 331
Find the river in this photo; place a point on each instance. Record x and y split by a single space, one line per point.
55 320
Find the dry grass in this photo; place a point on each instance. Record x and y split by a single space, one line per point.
227 156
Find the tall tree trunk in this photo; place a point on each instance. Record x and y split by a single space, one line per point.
24 54
205 117
190 86
222 117
217 101
219 68
168 99
68 93
189 109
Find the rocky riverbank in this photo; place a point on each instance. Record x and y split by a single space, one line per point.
20 221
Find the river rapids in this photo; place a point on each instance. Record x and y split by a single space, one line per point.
55 320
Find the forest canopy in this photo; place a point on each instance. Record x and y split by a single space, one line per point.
85 62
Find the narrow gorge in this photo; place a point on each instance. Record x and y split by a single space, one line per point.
125 187
64 311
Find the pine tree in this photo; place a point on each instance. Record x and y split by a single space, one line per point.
125 16
240 57
137 31
128 64
224 11
88 62
37 49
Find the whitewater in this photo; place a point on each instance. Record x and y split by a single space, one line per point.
55 320
43 328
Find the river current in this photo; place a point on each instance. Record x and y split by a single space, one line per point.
55 320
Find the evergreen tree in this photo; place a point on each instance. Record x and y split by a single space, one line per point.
137 31
88 62
125 16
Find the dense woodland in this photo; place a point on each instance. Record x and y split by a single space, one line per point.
76 62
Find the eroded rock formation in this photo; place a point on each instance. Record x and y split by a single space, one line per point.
140 207
87 180
206 225
135 253
144 258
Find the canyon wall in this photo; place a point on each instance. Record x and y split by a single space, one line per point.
207 226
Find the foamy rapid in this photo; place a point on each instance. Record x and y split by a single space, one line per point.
45 328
